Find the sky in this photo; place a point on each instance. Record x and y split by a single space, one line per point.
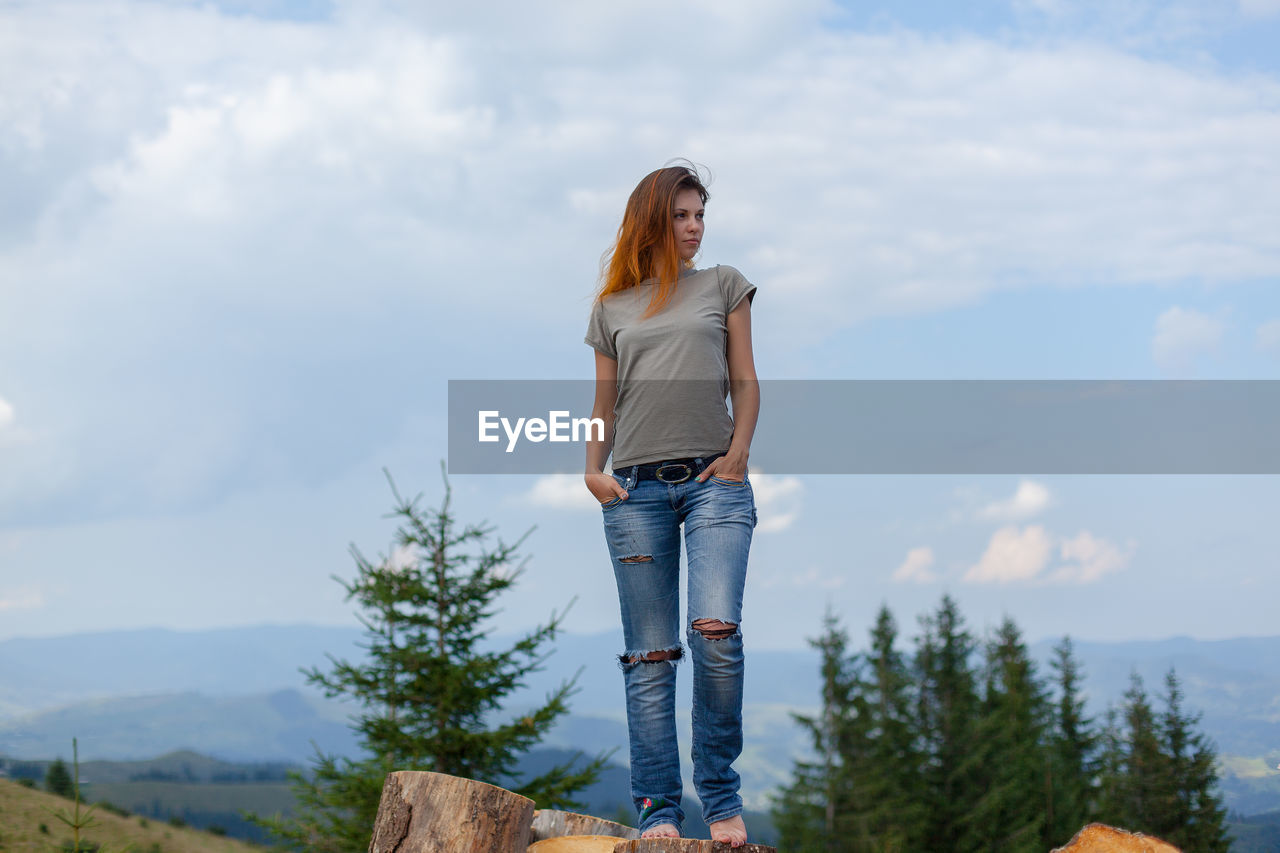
245 245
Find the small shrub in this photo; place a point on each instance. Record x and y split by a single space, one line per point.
27 783
44 829
58 780
177 820
143 822
215 829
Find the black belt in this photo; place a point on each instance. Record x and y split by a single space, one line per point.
673 470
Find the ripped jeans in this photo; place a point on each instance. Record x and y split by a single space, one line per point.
643 533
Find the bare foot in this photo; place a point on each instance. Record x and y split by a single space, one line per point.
664 830
731 831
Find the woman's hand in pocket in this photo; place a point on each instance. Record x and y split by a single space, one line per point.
725 468
604 487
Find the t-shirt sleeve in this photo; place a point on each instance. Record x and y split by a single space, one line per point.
734 286
598 333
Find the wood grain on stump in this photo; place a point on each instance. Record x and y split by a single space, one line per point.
575 844
1100 838
423 812
551 823
685 845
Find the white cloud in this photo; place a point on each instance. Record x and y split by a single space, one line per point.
778 501
1016 555
917 567
403 557
1012 556
1183 335
21 598
1267 337
252 220
6 413
1030 498
1087 558
561 491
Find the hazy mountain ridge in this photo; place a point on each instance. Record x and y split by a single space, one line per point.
237 694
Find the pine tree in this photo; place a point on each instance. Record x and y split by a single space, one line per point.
1073 763
57 779
894 809
1010 758
814 812
426 686
1110 808
947 706
1195 812
1143 800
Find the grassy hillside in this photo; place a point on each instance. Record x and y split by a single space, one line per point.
24 810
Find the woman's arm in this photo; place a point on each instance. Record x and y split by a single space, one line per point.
601 485
744 391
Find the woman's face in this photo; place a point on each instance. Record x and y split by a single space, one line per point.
688 222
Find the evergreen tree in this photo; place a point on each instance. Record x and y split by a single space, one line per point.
1073 744
1009 756
1195 813
426 686
893 809
57 779
814 813
1110 807
1143 787
947 707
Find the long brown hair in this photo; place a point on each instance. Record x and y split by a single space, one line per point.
646 244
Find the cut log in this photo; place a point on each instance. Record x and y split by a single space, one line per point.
551 823
422 812
686 845
1100 838
575 844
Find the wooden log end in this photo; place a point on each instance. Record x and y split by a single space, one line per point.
553 823
1100 838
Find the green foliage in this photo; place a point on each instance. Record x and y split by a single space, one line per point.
947 715
27 783
427 689
76 819
1010 751
1073 762
58 779
819 804
966 752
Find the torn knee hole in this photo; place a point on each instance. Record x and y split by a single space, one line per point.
652 657
714 629
638 558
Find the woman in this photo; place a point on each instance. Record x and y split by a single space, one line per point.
671 343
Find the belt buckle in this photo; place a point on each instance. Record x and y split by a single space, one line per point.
688 472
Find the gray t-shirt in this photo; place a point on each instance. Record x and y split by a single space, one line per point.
673 368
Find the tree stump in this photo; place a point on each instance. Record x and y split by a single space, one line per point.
686 845
550 823
1100 838
575 844
422 812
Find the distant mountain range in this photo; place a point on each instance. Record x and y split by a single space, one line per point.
237 694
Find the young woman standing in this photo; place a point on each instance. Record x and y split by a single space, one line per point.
672 342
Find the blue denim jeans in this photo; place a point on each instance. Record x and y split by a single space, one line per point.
643 533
